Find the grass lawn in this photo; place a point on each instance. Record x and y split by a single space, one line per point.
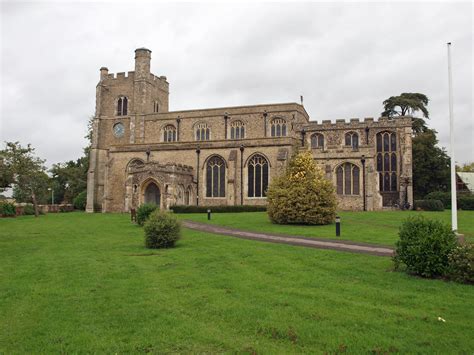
370 227
84 283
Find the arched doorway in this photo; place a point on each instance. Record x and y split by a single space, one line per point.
152 194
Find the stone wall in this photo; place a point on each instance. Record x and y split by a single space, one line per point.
112 187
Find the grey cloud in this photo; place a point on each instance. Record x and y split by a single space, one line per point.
345 58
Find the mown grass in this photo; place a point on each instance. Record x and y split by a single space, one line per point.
77 283
379 227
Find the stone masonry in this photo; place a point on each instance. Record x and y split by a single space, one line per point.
142 152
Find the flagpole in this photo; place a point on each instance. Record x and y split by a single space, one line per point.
454 207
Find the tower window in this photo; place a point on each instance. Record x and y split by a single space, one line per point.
156 106
122 106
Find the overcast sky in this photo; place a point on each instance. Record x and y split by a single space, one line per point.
345 58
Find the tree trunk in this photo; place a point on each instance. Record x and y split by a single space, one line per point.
35 203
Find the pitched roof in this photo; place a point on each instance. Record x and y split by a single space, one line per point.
468 179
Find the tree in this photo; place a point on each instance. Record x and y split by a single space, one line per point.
466 167
69 179
431 165
27 170
302 195
407 104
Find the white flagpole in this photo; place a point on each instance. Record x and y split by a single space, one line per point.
454 206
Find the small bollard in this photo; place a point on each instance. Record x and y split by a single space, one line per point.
338 226
208 215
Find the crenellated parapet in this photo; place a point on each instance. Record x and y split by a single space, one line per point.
356 123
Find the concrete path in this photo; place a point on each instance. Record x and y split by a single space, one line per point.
320 243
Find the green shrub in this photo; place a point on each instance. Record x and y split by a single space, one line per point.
424 246
7 209
461 264
302 195
444 197
28 210
144 211
80 201
428 205
162 230
218 209
466 202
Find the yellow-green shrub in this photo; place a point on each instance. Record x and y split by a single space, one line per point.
302 195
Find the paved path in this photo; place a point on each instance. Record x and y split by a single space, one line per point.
320 243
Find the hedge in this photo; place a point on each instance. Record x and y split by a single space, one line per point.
218 209
428 205
465 200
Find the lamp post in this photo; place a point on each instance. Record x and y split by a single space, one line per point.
454 207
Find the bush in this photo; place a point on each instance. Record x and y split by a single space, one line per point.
144 211
428 205
466 202
162 230
461 264
7 209
28 210
80 201
302 195
444 197
218 209
424 246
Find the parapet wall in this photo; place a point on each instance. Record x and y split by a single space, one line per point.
131 75
356 123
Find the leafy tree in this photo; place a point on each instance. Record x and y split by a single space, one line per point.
28 172
302 195
407 104
431 165
6 174
69 179
466 167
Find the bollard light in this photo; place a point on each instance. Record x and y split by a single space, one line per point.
338 226
208 215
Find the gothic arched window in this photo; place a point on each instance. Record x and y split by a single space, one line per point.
257 182
215 177
348 179
122 106
203 132
317 141
169 133
387 160
156 106
352 140
278 127
237 130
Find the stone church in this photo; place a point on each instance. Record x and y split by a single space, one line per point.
144 153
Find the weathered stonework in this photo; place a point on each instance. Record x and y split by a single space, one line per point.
123 166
